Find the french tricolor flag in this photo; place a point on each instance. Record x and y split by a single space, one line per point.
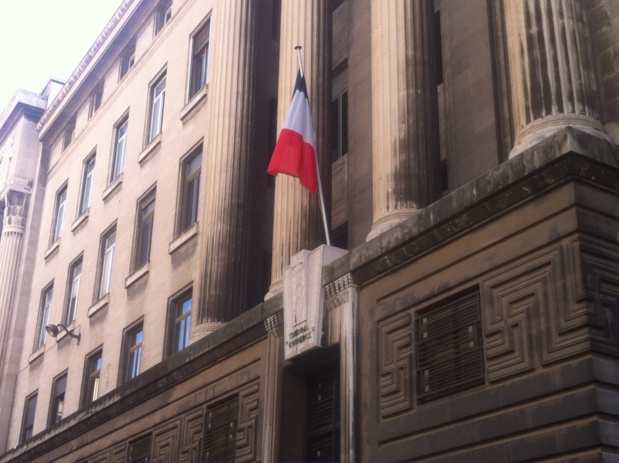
295 152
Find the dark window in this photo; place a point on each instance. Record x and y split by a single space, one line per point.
61 201
28 419
69 133
438 43
162 16
75 276
323 443
127 59
138 450
96 97
199 59
220 431
46 302
449 347
146 215
180 323
276 20
92 376
87 178
120 147
339 114
133 352
190 194
56 410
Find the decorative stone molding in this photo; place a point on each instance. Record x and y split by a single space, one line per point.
107 31
15 210
304 299
275 320
395 365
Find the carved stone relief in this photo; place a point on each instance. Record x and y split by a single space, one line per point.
395 344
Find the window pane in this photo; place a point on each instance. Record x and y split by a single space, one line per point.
59 216
145 224
199 60
191 191
76 274
134 352
28 419
92 375
156 119
57 407
106 263
46 302
119 151
89 166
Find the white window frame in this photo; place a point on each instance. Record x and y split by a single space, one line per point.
74 289
88 171
61 203
157 97
121 131
107 261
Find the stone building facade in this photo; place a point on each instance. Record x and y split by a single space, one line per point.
180 306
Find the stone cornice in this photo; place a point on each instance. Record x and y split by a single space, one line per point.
103 37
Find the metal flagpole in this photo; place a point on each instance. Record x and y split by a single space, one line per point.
321 199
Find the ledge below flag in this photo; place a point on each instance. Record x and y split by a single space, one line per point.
295 152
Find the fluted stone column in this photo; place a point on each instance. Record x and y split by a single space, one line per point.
224 228
297 223
553 81
11 241
11 244
405 159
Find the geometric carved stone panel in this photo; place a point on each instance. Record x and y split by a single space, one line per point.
247 428
528 315
165 443
191 437
600 270
395 343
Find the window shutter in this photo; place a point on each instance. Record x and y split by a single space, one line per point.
220 432
449 348
323 442
139 449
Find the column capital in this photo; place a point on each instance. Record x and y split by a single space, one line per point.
15 209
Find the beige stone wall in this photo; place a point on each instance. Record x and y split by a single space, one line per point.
147 298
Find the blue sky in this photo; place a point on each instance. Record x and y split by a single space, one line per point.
40 39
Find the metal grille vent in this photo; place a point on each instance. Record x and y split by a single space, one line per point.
220 432
449 348
139 449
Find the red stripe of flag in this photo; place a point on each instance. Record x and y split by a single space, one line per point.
295 152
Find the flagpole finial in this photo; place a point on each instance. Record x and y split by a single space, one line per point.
298 47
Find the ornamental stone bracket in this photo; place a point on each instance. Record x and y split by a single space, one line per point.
15 210
304 299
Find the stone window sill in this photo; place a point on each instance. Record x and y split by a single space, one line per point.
112 187
196 102
99 305
53 249
137 275
183 238
36 354
81 220
150 149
